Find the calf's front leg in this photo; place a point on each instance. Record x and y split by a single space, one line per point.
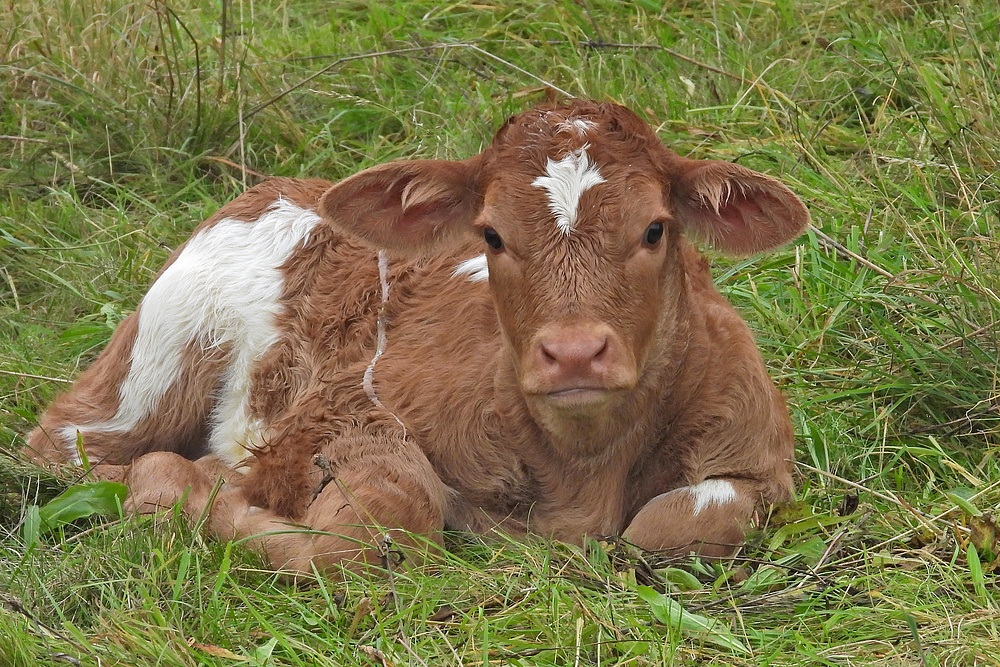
379 482
709 518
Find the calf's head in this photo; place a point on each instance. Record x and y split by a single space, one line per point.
580 211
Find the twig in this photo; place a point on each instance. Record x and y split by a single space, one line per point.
925 520
406 644
34 377
197 62
12 137
588 44
454 653
594 25
235 165
949 428
387 551
15 605
938 517
598 44
830 547
523 71
393 52
828 243
964 338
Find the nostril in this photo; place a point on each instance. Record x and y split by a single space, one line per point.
602 350
548 356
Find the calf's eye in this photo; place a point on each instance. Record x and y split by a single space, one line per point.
492 239
653 234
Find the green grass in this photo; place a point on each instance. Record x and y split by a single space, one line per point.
124 124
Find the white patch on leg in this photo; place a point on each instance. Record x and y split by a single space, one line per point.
565 182
223 290
475 269
712 492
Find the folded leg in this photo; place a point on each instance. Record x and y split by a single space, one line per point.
377 483
367 484
710 518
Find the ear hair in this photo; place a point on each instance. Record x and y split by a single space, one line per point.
406 205
737 210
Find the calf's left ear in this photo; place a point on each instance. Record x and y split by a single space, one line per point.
735 209
406 206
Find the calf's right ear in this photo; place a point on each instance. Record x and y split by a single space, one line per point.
406 206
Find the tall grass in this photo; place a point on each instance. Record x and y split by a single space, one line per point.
124 124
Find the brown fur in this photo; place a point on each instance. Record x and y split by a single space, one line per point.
574 394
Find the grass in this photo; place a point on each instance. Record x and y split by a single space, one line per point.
123 124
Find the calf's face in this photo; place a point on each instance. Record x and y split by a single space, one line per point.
579 265
580 211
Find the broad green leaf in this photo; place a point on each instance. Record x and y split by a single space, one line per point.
794 531
629 648
670 612
976 572
766 577
683 579
791 512
31 527
956 496
262 654
80 501
811 549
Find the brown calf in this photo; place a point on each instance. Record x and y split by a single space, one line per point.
523 340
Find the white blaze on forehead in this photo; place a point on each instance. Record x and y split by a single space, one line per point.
565 182
577 126
475 269
223 290
712 492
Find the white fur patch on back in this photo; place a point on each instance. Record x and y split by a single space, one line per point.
222 290
712 492
565 182
475 269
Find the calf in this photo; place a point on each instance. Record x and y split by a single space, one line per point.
524 340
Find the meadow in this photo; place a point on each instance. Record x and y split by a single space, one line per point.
123 124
